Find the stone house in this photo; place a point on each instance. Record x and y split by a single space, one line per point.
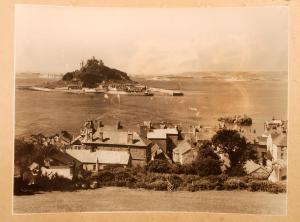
277 150
166 139
184 153
98 138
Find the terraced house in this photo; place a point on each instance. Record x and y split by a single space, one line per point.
97 147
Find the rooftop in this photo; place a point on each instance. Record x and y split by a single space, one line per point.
251 167
113 138
100 156
62 159
183 147
161 133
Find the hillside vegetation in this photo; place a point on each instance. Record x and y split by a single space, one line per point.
94 72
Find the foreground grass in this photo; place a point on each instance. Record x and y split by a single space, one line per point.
124 199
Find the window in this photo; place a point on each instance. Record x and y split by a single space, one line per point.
94 167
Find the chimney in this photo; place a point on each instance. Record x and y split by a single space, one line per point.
118 126
101 136
130 138
143 131
82 132
90 136
99 124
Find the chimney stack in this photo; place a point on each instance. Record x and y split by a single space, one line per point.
130 138
91 136
143 131
119 126
99 124
101 136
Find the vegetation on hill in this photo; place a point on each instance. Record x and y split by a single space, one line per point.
94 72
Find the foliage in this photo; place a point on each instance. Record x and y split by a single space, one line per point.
54 183
234 183
94 72
268 186
69 76
239 151
207 161
159 166
157 185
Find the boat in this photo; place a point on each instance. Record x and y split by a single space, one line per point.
36 88
148 93
89 90
176 93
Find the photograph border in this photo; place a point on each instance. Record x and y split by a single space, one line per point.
7 115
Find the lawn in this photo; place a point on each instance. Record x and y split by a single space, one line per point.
124 199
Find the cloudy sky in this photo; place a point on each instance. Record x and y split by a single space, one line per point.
54 39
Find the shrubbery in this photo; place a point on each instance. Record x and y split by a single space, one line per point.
133 178
159 166
268 186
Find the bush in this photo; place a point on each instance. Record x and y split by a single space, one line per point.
105 177
55 183
159 166
237 170
267 186
158 185
175 180
233 184
203 184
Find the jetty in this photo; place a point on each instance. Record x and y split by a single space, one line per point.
169 92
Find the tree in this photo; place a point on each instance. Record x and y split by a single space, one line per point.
68 76
159 166
207 161
238 149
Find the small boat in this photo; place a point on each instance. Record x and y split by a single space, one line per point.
89 90
177 93
36 88
148 93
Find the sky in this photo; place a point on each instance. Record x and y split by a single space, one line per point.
146 41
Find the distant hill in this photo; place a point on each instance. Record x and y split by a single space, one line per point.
94 72
225 76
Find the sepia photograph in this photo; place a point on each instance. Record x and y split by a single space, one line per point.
150 109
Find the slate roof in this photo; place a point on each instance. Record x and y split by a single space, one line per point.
156 151
183 147
251 167
103 156
114 138
60 159
161 133
155 148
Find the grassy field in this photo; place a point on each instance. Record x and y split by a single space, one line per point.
123 199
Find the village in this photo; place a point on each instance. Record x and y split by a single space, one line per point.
99 147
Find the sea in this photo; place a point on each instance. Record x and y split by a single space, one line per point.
204 101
